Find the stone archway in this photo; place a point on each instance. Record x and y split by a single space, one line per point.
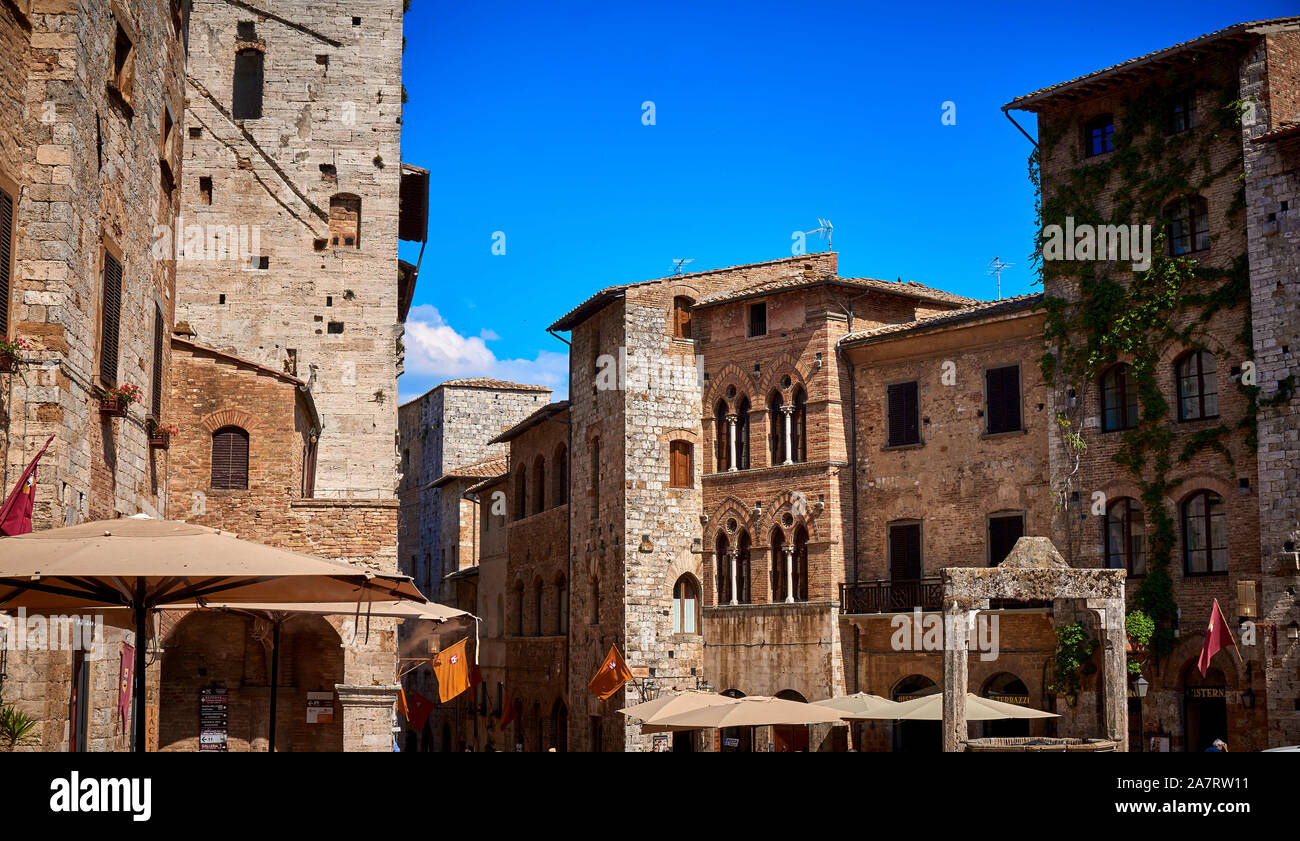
231 651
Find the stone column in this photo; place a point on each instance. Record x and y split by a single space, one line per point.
731 449
734 554
789 570
367 716
787 412
1114 670
956 633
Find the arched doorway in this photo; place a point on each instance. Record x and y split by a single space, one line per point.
736 739
916 736
231 652
1008 689
1205 708
790 738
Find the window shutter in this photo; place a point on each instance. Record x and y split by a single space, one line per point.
1002 387
6 257
904 423
905 552
679 464
112 319
158 328
230 458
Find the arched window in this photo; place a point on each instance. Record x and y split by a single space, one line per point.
539 484
686 600
1126 536
246 103
742 434
775 429
1189 225
801 564
230 458
777 543
560 479
1119 399
517 625
721 437
539 607
561 605
1198 386
1205 534
1099 135
682 317
742 568
722 570
799 427
521 493
345 221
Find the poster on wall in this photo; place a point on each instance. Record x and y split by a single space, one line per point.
661 743
320 707
214 719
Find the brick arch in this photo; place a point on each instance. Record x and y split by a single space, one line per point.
229 417
1222 352
686 563
783 502
1201 482
731 374
775 370
732 506
681 434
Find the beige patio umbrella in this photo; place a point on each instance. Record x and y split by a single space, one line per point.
930 708
650 713
752 711
143 563
860 705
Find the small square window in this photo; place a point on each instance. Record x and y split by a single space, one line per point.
334 327
259 262
356 21
195 133
246 30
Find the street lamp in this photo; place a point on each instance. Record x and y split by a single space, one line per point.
1140 686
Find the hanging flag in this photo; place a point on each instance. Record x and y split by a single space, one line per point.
451 665
420 708
16 515
475 676
611 675
1217 638
508 712
401 705
124 674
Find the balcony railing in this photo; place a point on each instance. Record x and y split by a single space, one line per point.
888 596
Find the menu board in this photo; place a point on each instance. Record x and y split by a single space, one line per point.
214 719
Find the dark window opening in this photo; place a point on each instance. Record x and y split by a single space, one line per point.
246 30
334 327
1119 399
247 100
1004 531
1198 386
195 133
1099 135
1126 537
1002 394
758 319
159 328
1189 226
328 172
1205 534
1180 114
122 72
205 189
110 320
6 258
904 414
230 458
904 551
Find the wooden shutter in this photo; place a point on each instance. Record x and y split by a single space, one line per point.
111 315
158 328
679 456
230 458
903 409
6 257
905 552
1002 392
681 318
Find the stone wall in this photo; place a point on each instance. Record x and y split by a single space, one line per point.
1269 77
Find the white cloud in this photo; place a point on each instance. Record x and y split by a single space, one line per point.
436 352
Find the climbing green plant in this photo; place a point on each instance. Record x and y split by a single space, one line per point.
1099 313
1140 628
1074 645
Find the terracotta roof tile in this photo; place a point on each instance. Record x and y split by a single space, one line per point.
488 468
910 289
489 383
980 310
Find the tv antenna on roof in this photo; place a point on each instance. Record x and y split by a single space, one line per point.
995 268
681 261
826 232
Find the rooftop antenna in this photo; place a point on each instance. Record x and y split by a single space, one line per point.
826 232
995 268
681 261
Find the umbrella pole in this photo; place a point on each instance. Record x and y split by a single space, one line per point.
275 682
141 616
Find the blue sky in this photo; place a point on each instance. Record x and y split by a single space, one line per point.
767 117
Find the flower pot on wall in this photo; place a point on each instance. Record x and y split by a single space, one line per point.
112 407
160 439
8 364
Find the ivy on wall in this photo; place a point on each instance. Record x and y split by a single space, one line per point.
1140 316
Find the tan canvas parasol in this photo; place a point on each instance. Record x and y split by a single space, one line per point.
651 713
861 705
753 711
930 708
143 563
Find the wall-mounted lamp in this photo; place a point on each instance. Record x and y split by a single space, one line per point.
1141 686
817 363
